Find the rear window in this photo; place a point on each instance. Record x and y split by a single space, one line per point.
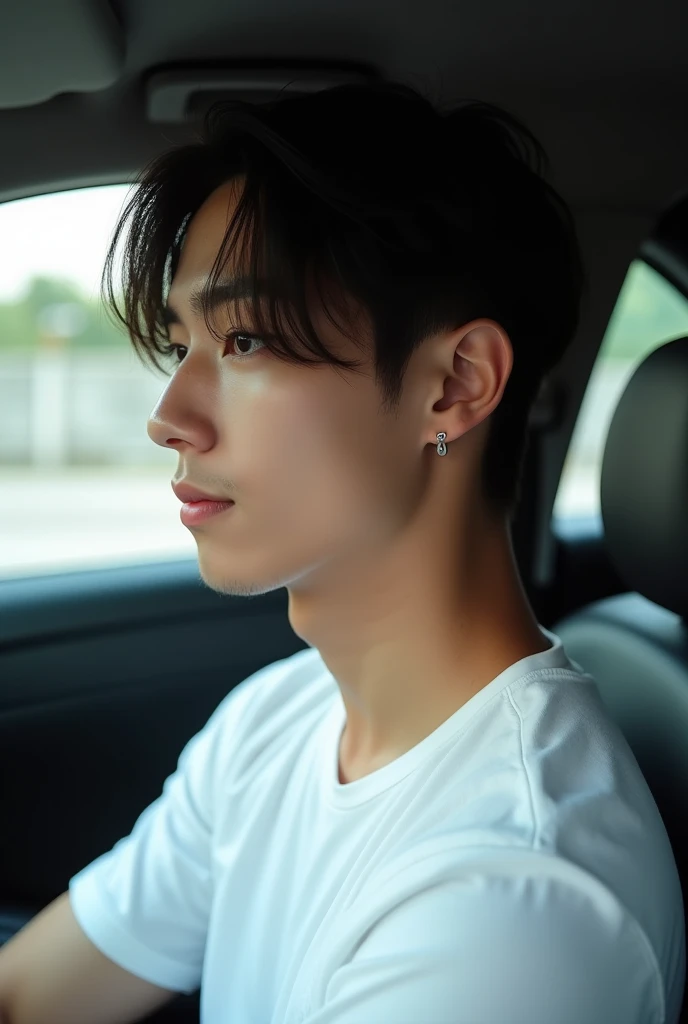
648 313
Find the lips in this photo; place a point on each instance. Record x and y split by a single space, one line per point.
186 493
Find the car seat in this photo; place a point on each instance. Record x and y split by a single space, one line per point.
635 644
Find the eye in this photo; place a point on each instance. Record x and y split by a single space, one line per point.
232 338
235 336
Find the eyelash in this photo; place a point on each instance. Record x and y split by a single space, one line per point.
171 349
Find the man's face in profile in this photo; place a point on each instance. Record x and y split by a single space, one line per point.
319 475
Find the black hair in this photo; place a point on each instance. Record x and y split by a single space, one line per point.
428 217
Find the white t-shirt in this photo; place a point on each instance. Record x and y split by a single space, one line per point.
512 868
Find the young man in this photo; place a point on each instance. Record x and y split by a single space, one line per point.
426 817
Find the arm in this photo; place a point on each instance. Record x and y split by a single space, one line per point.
128 934
51 973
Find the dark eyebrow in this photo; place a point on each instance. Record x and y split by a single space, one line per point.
225 291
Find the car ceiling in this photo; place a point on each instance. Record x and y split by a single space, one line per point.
604 85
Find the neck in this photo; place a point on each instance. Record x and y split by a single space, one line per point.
410 635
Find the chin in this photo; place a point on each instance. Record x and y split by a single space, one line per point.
232 585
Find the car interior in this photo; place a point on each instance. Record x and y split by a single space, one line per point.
107 670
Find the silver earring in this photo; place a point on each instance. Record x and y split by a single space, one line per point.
441 446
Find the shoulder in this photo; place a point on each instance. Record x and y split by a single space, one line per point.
265 690
262 704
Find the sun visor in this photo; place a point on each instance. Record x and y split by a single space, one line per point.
47 48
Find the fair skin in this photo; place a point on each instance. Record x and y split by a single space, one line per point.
394 568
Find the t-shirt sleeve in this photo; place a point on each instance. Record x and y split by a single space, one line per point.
146 902
532 951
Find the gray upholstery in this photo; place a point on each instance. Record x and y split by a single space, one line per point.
635 645
644 484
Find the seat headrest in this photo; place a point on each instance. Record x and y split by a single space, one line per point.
644 482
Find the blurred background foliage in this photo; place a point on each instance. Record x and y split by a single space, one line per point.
57 305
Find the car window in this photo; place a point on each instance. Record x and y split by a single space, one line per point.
649 311
83 486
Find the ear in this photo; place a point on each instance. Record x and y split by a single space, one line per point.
472 368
